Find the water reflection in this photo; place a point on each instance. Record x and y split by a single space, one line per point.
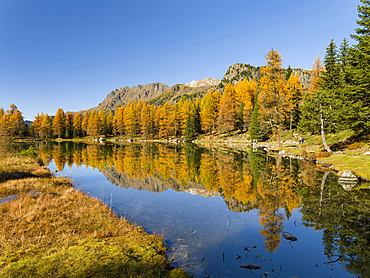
270 187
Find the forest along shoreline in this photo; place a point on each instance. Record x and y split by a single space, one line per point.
49 228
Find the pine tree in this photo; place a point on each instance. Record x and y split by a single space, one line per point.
69 125
193 123
310 120
288 73
360 70
189 129
109 123
239 124
255 128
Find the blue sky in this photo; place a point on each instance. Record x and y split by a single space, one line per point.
72 54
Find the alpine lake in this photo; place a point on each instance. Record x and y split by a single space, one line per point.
225 212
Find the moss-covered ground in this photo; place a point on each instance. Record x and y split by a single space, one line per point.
50 229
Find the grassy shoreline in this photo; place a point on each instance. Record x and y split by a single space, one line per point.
53 230
350 151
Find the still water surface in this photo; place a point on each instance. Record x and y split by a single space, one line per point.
218 210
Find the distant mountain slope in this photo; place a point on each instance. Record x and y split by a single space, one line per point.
154 93
136 93
157 93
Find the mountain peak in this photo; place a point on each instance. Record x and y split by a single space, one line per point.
204 82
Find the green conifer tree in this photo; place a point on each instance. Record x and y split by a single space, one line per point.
360 70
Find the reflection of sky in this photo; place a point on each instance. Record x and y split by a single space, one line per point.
205 237
7 199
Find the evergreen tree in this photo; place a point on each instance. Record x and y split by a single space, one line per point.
360 70
193 123
69 125
240 118
109 123
288 73
189 129
310 120
255 128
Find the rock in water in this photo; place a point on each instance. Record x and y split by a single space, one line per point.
289 236
250 266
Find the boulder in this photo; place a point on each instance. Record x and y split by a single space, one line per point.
289 236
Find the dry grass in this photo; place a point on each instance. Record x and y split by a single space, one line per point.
54 230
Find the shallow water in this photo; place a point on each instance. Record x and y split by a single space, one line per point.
7 199
218 210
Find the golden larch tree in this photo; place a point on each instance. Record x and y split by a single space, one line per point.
294 97
227 114
245 93
59 123
85 122
209 111
46 130
77 124
273 99
119 123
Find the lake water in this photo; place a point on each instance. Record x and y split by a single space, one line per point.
218 210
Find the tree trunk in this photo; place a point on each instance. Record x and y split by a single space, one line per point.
322 188
323 134
278 136
291 120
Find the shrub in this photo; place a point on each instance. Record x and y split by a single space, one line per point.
30 152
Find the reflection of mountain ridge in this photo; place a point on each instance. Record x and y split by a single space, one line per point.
158 184
155 184
237 206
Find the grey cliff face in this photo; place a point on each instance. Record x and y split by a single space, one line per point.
125 94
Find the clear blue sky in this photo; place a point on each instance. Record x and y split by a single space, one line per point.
71 54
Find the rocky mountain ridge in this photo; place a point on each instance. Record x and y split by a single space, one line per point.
237 72
158 93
